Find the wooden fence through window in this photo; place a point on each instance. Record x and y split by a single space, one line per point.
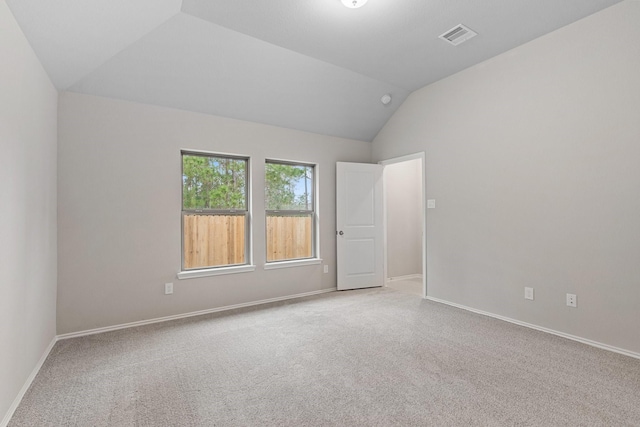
215 240
289 237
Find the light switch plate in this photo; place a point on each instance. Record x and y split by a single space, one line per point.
431 204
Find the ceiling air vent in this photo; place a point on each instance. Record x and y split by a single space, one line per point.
458 34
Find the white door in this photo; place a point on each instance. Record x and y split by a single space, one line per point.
360 232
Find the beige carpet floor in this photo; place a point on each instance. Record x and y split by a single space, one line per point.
358 358
409 286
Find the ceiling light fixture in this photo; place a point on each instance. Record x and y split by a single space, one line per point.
353 4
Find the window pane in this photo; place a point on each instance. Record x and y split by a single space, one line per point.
213 240
289 237
289 187
210 182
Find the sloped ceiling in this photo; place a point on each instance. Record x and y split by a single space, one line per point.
311 65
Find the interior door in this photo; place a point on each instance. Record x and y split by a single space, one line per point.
360 232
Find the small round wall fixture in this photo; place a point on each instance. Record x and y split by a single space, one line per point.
353 4
386 99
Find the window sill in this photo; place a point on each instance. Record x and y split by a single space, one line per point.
292 263
193 274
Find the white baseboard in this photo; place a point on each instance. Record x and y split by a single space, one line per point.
542 329
27 384
407 277
190 314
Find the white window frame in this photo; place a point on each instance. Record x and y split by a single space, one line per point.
221 269
315 223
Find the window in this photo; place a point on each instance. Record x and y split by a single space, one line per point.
290 210
215 216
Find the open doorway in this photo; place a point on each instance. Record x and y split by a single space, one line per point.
405 241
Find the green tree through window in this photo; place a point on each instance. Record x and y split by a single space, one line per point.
288 187
213 182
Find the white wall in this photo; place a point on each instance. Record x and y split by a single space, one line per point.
27 211
119 218
403 193
532 157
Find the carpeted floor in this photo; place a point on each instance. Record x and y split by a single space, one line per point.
408 286
357 358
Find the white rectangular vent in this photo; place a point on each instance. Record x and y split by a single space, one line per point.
458 34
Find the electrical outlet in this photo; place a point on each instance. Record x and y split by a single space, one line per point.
168 288
326 268
572 300
528 293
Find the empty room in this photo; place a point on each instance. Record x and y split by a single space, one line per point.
319 213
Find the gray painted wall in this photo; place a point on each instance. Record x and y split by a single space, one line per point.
119 217
532 157
27 211
403 192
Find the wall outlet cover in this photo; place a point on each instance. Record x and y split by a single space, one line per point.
528 293
572 300
168 288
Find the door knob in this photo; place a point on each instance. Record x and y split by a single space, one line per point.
341 232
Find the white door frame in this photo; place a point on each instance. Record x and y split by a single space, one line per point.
421 157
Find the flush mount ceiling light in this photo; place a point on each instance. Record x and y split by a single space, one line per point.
353 4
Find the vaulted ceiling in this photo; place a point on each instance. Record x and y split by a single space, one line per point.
312 65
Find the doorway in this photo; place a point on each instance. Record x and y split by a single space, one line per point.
405 220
